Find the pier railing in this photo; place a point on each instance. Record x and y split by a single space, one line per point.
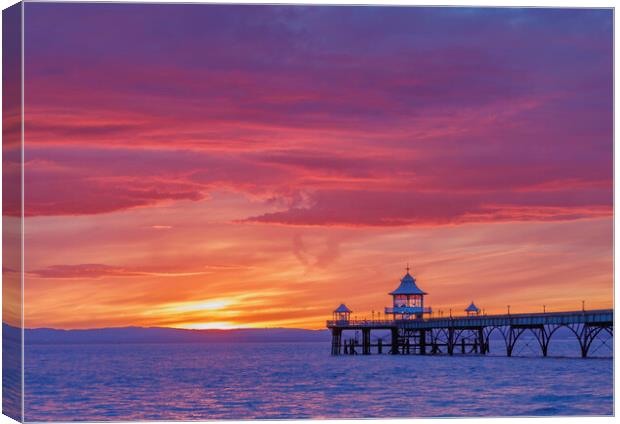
363 323
408 310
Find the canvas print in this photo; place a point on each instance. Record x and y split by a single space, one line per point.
229 211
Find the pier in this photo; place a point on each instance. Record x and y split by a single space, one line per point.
411 331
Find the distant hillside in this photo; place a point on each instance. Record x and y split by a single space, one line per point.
165 335
175 335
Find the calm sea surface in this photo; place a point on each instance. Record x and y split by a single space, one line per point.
272 380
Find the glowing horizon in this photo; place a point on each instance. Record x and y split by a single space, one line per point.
222 166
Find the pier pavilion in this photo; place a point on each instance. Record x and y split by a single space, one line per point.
342 313
412 330
472 309
407 300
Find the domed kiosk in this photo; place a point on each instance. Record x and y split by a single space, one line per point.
342 313
472 310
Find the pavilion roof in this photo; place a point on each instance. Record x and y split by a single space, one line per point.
408 286
342 308
472 308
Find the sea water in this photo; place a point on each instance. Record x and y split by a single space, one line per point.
275 380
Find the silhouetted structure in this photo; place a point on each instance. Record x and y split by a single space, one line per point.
413 333
342 313
472 309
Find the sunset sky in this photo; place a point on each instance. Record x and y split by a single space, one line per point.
204 166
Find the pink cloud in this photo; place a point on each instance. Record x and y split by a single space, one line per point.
94 271
394 208
313 187
51 193
331 134
84 271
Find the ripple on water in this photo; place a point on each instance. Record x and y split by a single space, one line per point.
193 382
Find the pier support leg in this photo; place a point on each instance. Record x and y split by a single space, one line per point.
380 346
583 341
422 342
481 340
366 341
586 336
394 341
511 340
450 341
336 341
542 337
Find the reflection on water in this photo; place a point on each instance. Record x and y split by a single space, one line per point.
273 380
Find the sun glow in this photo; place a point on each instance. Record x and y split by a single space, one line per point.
208 305
209 326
